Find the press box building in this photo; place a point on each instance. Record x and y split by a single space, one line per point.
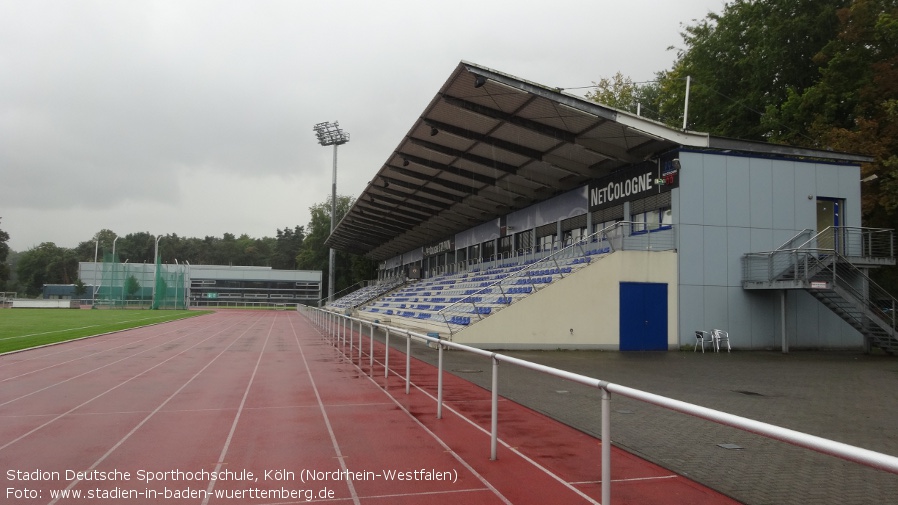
762 240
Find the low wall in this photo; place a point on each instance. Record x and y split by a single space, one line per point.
581 311
45 304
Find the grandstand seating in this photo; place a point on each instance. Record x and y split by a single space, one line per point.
461 299
364 295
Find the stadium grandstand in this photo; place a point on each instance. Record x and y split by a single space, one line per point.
514 215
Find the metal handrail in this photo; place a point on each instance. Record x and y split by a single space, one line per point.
334 326
809 263
872 300
468 299
865 242
609 234
788 244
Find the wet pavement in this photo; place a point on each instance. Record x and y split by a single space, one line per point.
844 396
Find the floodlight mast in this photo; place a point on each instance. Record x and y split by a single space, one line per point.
330 134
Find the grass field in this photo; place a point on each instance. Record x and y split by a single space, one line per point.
24 328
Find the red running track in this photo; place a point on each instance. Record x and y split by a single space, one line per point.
256 407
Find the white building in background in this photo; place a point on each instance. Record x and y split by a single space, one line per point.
203 285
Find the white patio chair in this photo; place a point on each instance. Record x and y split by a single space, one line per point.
720 336
702 338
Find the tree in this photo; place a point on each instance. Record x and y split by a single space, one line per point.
132 286
46 264
134 248
854 107
752 55
80 288
314 254
4 253
622 93
287 246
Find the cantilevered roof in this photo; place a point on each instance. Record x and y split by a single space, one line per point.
489 144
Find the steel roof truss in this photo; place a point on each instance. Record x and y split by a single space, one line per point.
473 158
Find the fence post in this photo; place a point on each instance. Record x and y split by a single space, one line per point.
387 354
371 354
408 361
606 444
440 380
494 422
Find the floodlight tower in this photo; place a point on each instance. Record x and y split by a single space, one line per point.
330 134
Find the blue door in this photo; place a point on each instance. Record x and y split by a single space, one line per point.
643 316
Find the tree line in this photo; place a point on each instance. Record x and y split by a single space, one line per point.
810 73
292 248
818 74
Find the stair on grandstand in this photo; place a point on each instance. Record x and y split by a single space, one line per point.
364 295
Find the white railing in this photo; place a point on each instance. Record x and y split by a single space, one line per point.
335 331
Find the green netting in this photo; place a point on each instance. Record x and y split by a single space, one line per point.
141 286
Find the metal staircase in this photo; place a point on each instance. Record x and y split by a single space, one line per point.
831 267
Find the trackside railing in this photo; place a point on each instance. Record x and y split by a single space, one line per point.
335 332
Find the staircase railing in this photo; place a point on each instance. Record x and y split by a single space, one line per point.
827 262
855 242
787 263
873 302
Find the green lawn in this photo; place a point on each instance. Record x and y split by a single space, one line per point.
24 328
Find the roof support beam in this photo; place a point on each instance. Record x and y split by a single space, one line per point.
360 238
527 124
454 186
377 216
473 158
485 139
467 174
365 232
418 198
610 151
401 203
416 187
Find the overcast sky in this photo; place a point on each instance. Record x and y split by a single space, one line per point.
195 117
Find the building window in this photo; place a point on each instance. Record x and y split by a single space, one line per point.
597 227
546 243
652 220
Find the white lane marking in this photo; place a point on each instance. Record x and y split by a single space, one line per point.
504 444
627 480
99 368
82 327
436 437
126 344
157 409
227 444
60 416
327 422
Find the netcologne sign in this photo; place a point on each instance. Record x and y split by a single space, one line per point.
440 247
633 183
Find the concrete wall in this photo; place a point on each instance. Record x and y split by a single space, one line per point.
45 304
727 206
587 302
